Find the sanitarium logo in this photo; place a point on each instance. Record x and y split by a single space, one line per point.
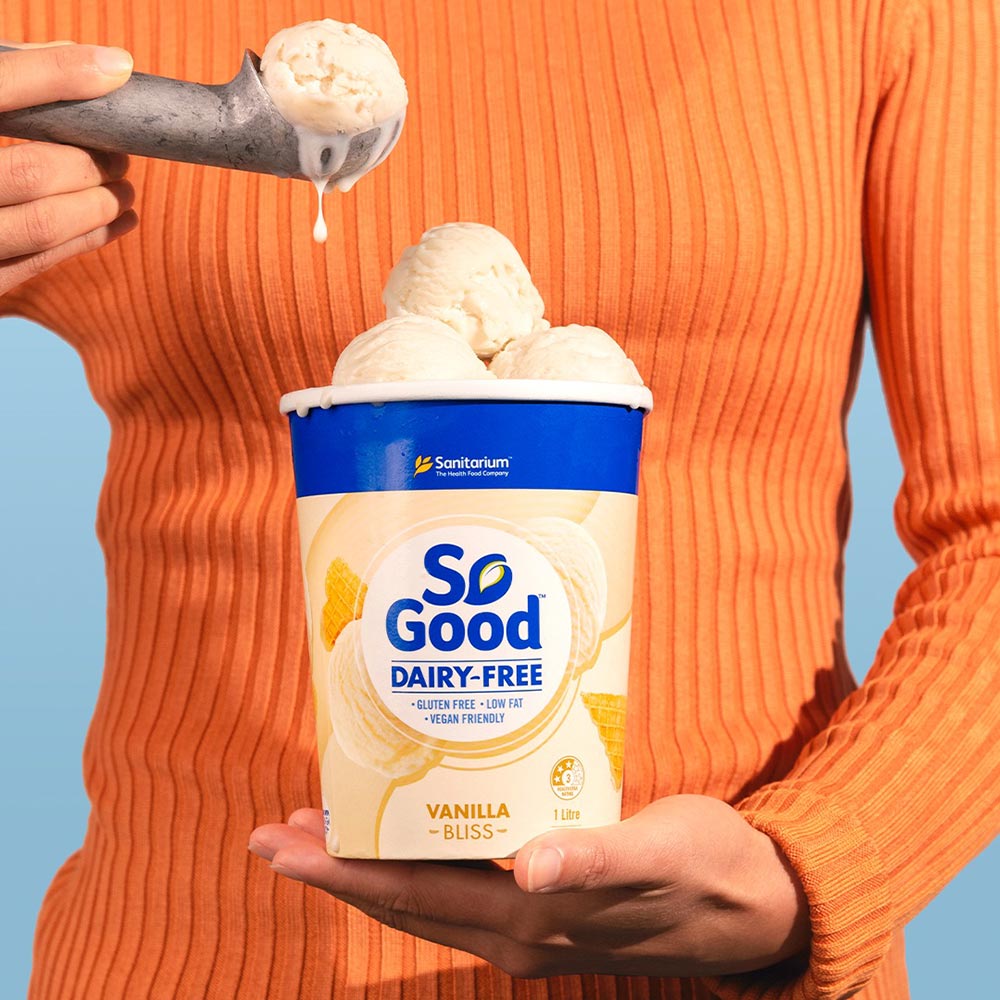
463 466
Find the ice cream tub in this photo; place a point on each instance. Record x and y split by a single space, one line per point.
468 554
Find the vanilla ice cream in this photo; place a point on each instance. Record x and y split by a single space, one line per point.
407 349
578 559
580 353
359 727
333 82
332 77
471 277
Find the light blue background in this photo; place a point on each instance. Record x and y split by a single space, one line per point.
52 618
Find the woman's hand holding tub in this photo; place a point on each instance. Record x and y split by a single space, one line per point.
686 887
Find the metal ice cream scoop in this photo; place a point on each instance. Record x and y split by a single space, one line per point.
233 125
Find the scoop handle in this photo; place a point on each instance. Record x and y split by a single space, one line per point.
231 125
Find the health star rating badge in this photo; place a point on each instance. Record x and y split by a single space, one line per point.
566 778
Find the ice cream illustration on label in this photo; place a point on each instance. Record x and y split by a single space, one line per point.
365 736
579 559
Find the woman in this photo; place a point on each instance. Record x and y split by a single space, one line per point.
728 188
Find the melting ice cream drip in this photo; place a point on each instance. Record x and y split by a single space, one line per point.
322 157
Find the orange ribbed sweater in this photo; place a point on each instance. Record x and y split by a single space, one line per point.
728 187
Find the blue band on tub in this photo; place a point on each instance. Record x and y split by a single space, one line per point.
461 444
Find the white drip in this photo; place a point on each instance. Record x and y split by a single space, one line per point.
312 146
388 136
319 229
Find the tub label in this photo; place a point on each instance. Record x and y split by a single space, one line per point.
465 633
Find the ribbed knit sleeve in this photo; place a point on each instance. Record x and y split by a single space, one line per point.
900 790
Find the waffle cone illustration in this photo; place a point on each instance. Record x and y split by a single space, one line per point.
345 597
607 711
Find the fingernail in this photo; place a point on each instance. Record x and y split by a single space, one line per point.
257 851
112 61
544 866
287 872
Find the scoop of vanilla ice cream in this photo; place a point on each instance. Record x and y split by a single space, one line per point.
575 353
332 77
407 349
358 726
578 560
471 277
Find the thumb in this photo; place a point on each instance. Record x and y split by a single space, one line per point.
633 853
43 74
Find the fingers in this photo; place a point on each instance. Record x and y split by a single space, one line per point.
570 860
34 170
14 272
267 840
635 854
40 75
58 201
35 45
447 894
481 912
474 910
310 820
49 222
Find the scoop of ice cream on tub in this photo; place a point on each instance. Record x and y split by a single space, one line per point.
471 277
408 349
